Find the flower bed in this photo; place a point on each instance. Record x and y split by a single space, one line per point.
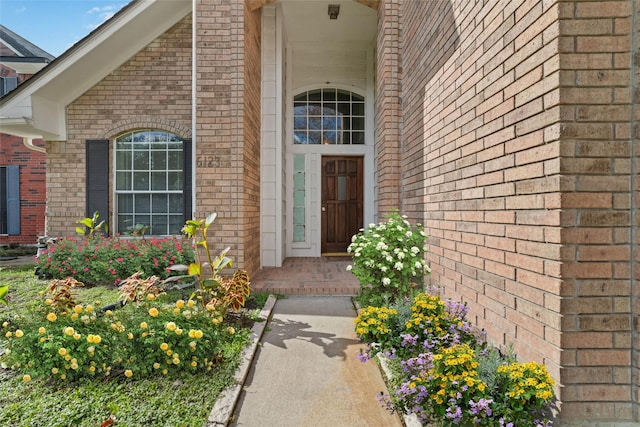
444 372
109 260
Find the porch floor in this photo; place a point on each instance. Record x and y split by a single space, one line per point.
325 275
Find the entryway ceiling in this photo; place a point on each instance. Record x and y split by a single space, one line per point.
307 21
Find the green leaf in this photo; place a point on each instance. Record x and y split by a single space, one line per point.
4 289
80 231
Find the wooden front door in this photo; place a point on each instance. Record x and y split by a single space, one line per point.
342 206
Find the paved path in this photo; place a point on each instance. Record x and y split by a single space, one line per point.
306 372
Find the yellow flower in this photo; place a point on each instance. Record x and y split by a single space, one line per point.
74 366
164 372
67 358
143 325
153 312
26 378
180 303
194 363
74 316
92 368
42 330
198 333
176 311
78 309
151 297
215 321
171 326
8 334
69 331
42 339
128 373
62 351
230 330
77 336
63 376
108 312
19 333
54 371
51 317
169 352
191 303
178 331
156 365
164 346
130 335
89 308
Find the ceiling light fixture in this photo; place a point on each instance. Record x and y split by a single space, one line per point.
333 11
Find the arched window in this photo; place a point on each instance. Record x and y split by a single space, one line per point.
149 182
328 116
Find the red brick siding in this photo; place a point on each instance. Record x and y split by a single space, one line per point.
32 188
251 141
388 85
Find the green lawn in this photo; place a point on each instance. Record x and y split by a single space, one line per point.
178 400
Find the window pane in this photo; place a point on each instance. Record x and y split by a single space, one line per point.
176 223
125 203
300 137
175 160
160 203
141 181
125 222
158 181
315 95
142 203
141 160
357 109
176 204
123 160
329 95
123 181
315 137
357 138
175 180
159 224
357 123
159 160
144 220
299 122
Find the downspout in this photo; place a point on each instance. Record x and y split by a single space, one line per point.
193 106
28 142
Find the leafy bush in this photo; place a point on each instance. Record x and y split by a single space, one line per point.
388 258
104 260
448 373
149 335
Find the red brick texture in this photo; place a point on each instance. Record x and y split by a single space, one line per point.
32 188
516 153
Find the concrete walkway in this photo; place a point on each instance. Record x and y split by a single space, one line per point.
306 372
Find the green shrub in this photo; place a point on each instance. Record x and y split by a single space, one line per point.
388 260
104 260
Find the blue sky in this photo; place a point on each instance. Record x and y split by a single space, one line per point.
55 25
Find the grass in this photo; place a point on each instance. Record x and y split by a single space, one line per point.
178 400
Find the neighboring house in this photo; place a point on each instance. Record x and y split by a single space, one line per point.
22 160
509 128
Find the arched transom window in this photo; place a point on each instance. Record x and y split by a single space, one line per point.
149 182
328 116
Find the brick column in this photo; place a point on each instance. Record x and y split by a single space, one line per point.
388 115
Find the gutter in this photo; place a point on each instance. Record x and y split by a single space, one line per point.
28 142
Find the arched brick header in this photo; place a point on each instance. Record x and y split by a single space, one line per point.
146 123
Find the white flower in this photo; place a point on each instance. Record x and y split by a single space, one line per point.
400 255
349 267
381 246
415 250
369 263
389 258
386 281
418 264
427 269
408 234
383 268
398 266
371 225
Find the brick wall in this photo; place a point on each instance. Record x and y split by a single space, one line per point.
32 187
150 90
388 78
594 40
516 146
252 137
227 125
635 167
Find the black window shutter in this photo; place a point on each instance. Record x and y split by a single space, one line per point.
13 199
187 191
98 178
